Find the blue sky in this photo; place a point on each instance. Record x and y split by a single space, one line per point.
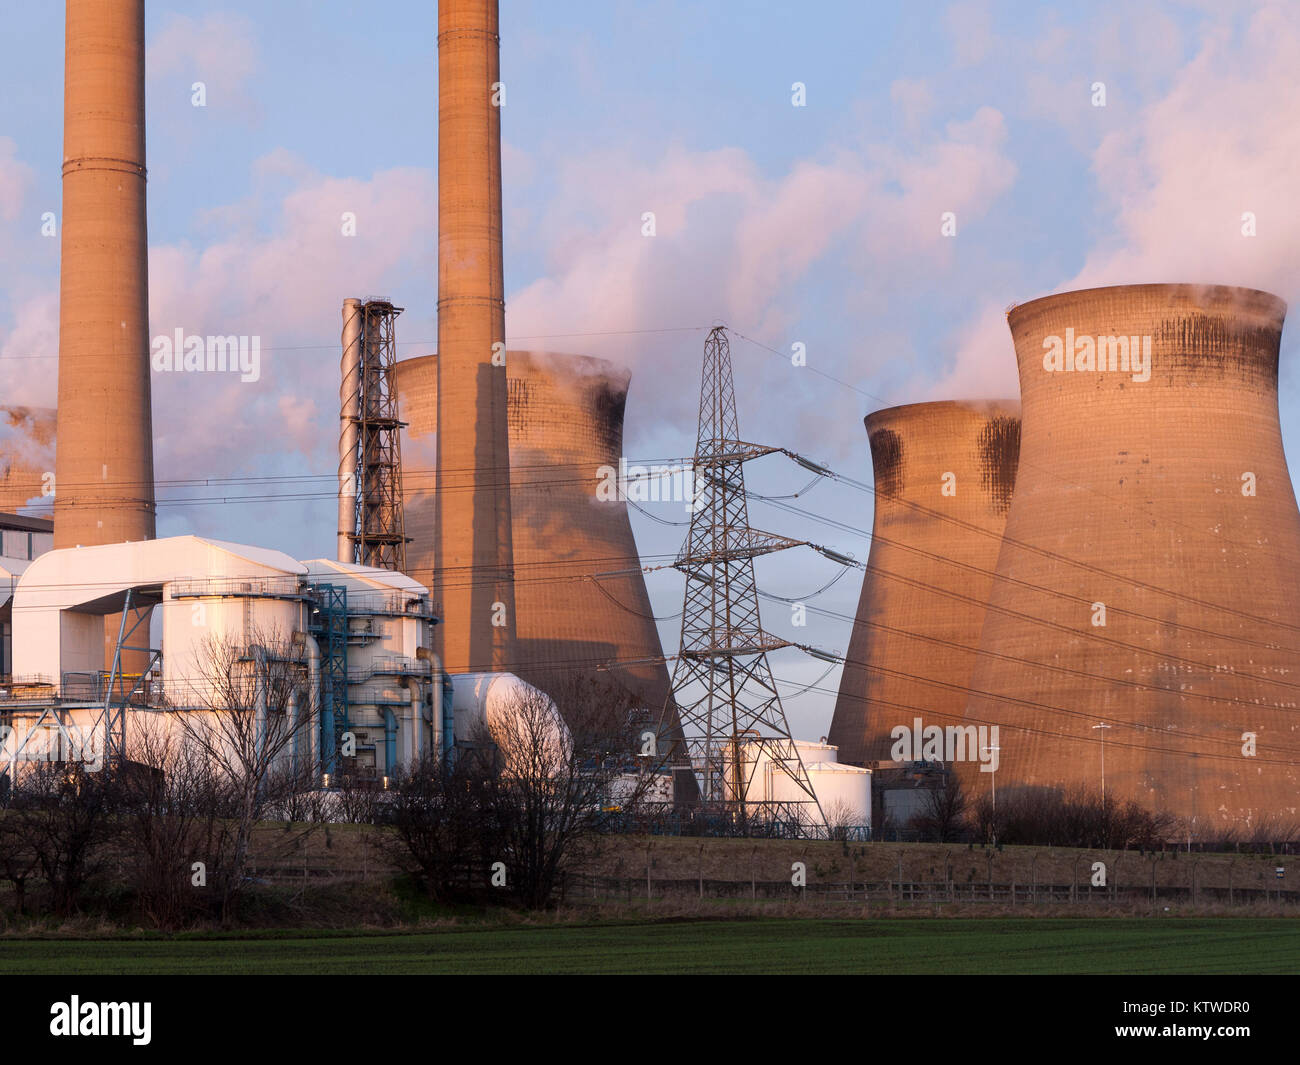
817 224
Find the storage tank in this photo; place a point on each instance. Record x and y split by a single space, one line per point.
843 791
944 477
1147 580
566 424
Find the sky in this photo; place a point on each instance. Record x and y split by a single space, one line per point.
1075 145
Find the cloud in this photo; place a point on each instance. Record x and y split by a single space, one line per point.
970 29
1221 142
735 244
1174 179
219 49
284 282
16 179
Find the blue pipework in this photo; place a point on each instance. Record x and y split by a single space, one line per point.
448 751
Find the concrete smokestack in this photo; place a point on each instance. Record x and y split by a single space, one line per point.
473 578
104 459
1147 579
944 476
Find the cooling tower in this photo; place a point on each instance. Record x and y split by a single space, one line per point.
944 476
566 423
104 464
472 574
1148 575
26 459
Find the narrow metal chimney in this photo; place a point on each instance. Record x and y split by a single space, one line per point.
104 491
349 412
473 579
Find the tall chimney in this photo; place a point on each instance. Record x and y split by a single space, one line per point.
473 579
349 412
104 452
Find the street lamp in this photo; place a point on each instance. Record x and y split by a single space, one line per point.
1103 765
993 782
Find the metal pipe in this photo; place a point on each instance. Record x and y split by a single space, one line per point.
390 741
349 412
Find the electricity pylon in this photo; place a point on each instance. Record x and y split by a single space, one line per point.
734 733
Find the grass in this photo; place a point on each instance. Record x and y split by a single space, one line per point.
762 945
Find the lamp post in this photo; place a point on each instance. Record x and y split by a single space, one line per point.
993 782
1103 765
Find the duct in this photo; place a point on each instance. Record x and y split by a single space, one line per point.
435 716
313 691
944 475
412 723
390 741
499 707
1147 578
62 595
260 682
349 412
448 718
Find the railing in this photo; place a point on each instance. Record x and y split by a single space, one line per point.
391 666
238 587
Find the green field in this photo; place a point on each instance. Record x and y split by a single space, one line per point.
918 945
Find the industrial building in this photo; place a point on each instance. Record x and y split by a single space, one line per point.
1103 572
1144 622
360 638
944 477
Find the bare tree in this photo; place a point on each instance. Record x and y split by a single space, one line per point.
253 730
560 783
178 825
19 861
65 815
943 812
841 819
441 828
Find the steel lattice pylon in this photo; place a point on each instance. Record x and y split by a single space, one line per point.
379 537
730 710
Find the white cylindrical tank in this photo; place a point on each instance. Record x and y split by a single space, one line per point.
843 792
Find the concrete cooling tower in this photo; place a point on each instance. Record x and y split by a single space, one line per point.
565 416
944 477
26 459
1148 575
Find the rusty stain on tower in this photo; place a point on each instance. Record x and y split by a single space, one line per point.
1147 580
944 477
473 561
